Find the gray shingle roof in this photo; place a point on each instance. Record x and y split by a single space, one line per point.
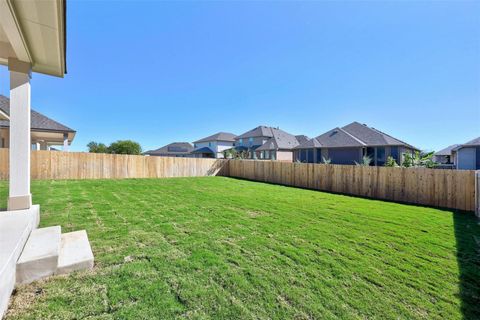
353 135
447 151
203 150
472 143
302 138
280 140
38 120
220 136
260 131
371 136
175 148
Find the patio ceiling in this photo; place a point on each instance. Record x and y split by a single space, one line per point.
34 32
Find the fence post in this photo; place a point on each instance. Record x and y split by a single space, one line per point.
477 193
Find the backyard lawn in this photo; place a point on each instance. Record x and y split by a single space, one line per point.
231 249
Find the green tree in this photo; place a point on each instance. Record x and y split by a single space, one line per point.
95 147
125 147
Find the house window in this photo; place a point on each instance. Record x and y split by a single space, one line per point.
303 155
262 155
310 155
267 154
394 154
209 144
319 155
371 154
380 156
273 155
250 141
240 142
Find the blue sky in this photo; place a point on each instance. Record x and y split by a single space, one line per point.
158 72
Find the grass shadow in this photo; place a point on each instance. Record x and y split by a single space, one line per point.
467 235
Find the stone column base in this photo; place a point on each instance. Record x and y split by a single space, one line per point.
20 202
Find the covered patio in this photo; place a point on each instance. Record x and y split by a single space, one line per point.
32 40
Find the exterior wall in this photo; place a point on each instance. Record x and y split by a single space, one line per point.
222 146
284 155
467 158
217 147
256 141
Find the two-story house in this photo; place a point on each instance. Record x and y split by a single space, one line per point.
268 143
213 146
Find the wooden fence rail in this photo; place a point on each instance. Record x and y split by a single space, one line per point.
441 188
80 165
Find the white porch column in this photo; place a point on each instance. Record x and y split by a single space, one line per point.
20 141
65 142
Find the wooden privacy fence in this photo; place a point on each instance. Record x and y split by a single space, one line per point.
80 165
441 188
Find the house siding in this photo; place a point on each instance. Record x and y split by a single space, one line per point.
216 146
284 156
467 158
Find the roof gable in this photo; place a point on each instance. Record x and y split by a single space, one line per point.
280 140
337 138
260 131
370 136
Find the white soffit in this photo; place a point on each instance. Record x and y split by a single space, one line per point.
35 31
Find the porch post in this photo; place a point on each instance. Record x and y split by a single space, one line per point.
65 142
20 140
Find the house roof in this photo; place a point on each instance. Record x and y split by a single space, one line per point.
175 148
39 122
302 138
220 136
260 131
353 135
447 151
281 140
203 150
472 143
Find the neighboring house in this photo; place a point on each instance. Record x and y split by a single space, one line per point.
175 149
467 156
444 156
45 132
214 145
267 143
348 145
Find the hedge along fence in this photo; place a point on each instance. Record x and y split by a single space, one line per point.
80 165
441 188
453 189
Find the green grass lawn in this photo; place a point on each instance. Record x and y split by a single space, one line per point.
222 248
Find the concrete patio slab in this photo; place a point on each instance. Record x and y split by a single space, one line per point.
75 252
40 255
15 228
